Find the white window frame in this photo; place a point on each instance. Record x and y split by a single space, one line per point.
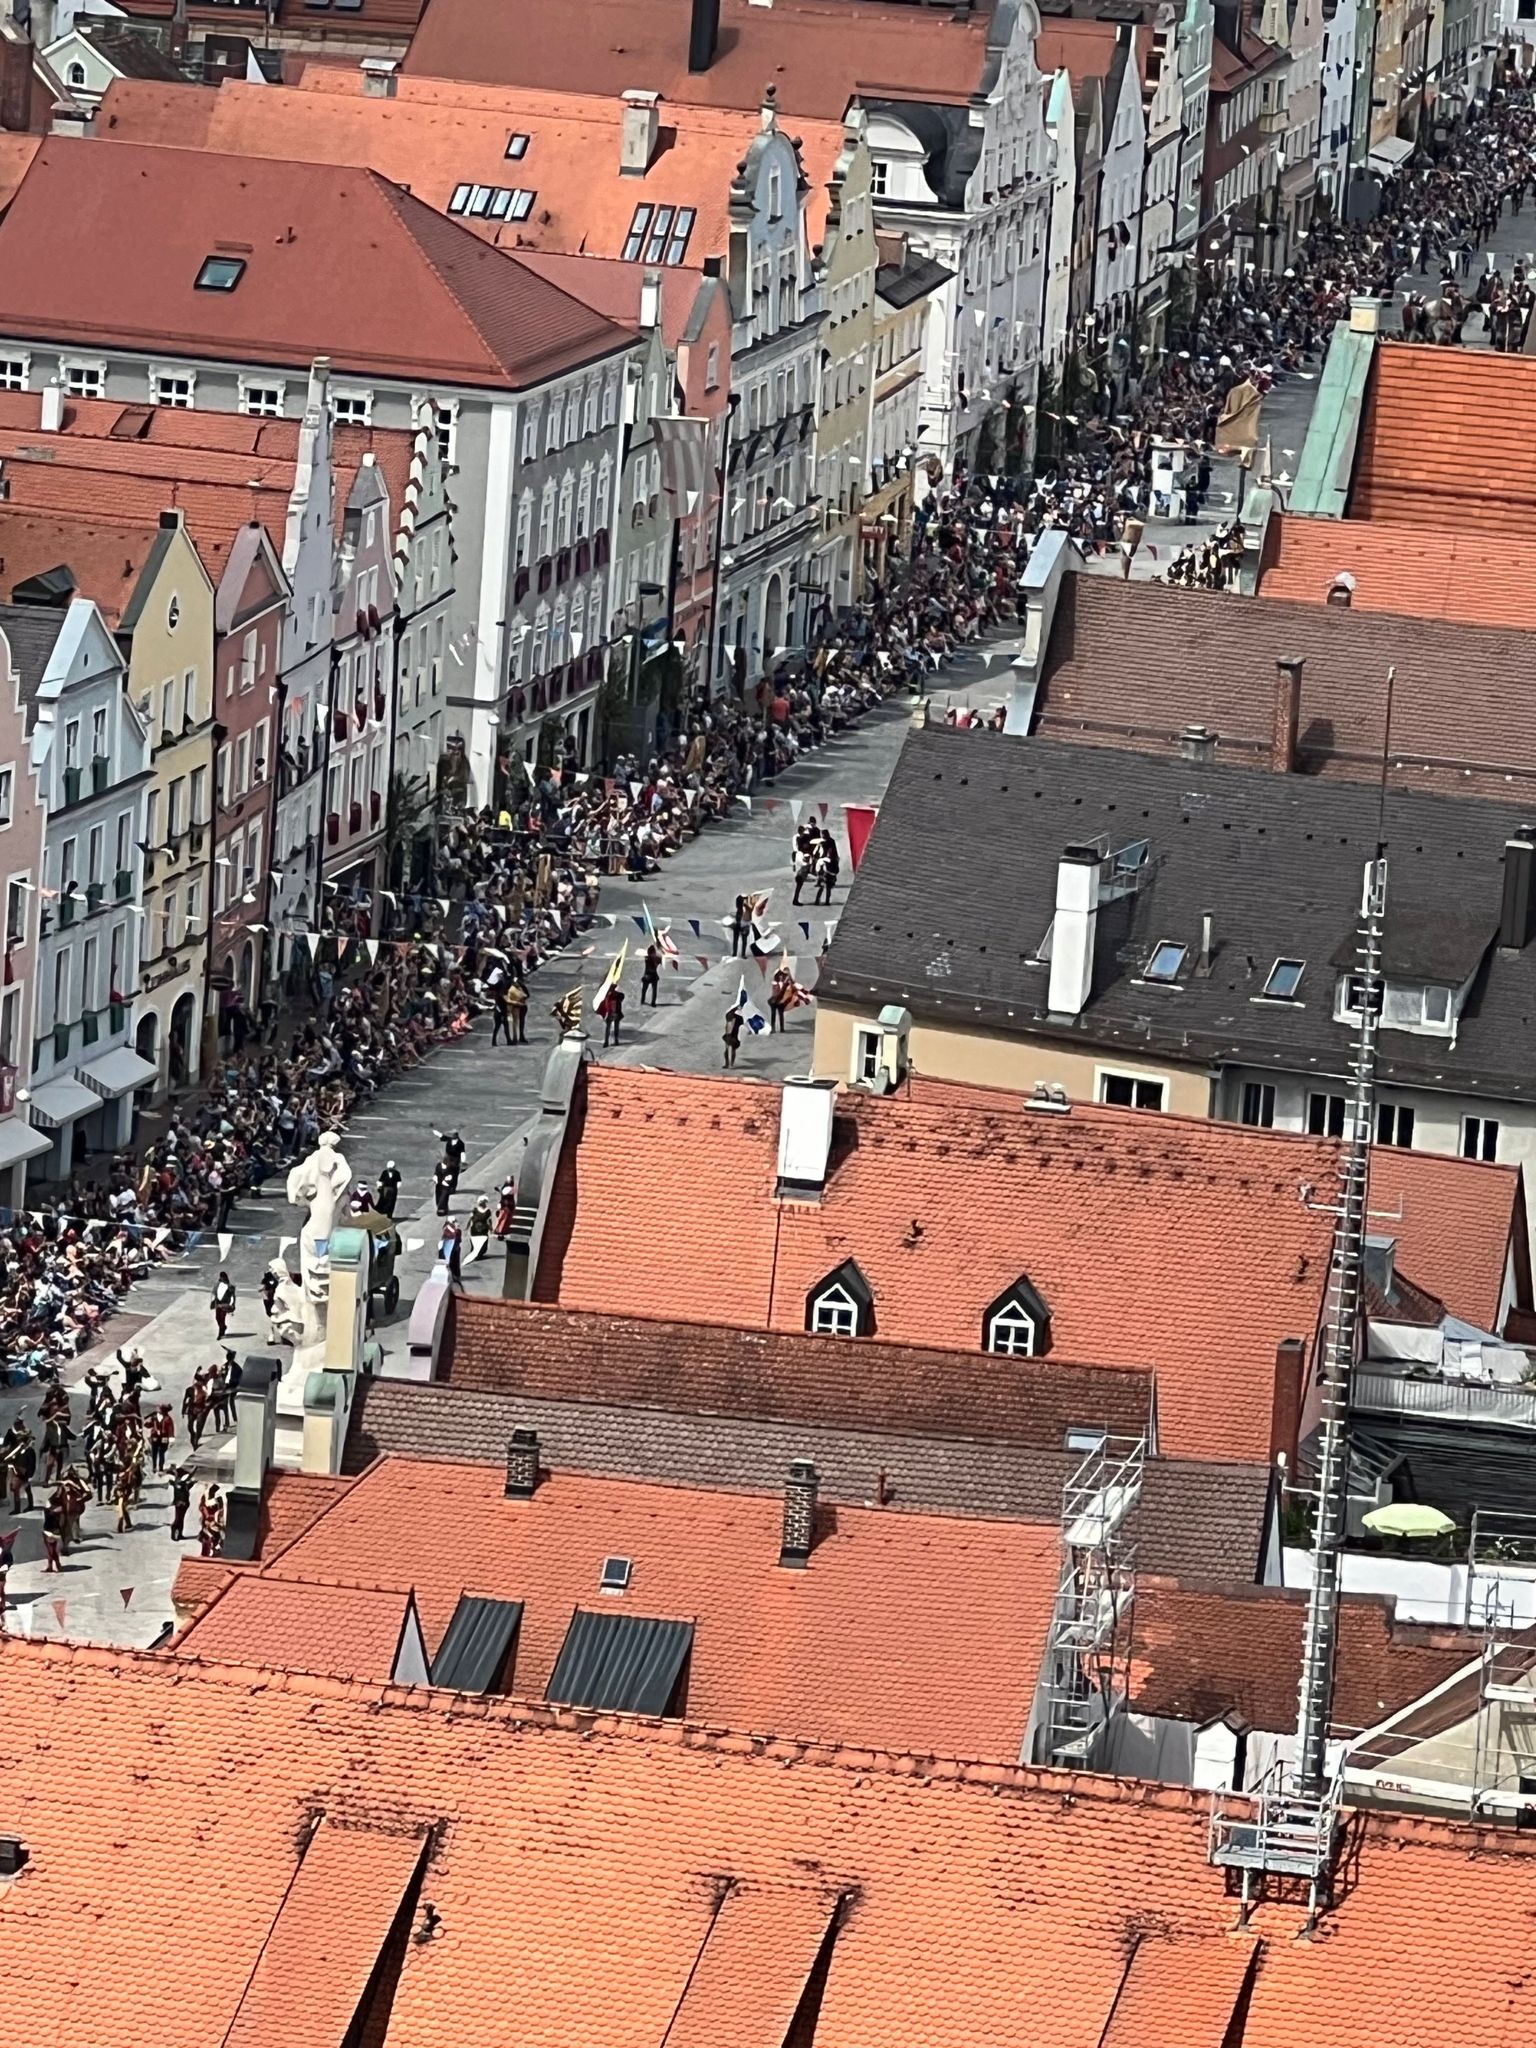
7 794
15 371
834 1312
352 395
447 431
162 376
1475 1132
1009 1321
75 372
1103 1075
254 389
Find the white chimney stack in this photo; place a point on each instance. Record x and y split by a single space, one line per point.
650 300
805 1135
640 131
53 407
1072 934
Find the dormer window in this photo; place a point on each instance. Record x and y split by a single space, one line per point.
841 1305
1018 1323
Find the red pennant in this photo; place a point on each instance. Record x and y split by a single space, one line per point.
60 1609
702 959
770 804
823 810
127 1593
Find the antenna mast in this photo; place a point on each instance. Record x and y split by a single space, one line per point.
1320 1640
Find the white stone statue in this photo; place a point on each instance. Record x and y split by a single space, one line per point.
318 1183
286 1323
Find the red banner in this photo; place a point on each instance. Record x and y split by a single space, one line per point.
861 822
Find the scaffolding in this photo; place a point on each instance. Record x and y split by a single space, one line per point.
1275 1832
1088 1652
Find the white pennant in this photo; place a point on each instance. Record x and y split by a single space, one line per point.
796 806
312 940
226 1241
373 948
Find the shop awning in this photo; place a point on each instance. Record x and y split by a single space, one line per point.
1391 153
19 1141
60 1102
117 1073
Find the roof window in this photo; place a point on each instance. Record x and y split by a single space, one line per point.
659 234
1167 961
517 146
220 273
491 202
616 1573
1284 979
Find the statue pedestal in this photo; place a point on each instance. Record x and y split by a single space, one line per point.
314 1396
288 1444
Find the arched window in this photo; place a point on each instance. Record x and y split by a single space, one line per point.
77 73
841 1305
540 640
1018 1323
600 515
547 518
584 502
567 493
557 635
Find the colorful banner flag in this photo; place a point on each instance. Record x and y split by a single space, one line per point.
687 471
861 822
610 980
751 1016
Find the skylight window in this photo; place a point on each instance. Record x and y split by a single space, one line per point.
616 1571
659 234
492 202
517 146
1284 980
220 273
1166 962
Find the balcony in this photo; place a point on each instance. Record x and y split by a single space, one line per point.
355 815
375 807
122 884
94 892
117 1017
339 726
67 907
1506 1405
333 827
101 773
90 1027
61 1041
71 786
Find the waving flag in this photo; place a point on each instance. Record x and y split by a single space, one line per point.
610 980
751 1016
687 473
657 934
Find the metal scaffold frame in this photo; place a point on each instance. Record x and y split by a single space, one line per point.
1088 1652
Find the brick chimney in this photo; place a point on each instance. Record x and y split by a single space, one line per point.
522 1481
799 1516
1282 751
1285 1414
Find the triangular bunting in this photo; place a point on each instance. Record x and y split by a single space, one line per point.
696 927
702 959
796 806
770 804
60 1609
127 1593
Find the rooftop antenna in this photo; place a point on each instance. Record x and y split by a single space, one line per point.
1341 1337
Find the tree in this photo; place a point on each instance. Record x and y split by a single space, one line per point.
407 803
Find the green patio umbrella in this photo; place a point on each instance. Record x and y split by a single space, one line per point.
1406 1518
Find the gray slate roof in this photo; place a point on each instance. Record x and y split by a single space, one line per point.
957 891
1197 1519
31 631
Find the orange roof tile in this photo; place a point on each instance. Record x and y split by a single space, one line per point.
438 134
478 318
832 1653
761 1947
1201 1652
944 1195
16 154
353 1631
1181 1994
106 559
818 54
1448 434
578 1863
1426 571
314 1968
1460 1228
127 464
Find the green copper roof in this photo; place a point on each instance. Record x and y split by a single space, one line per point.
1328 457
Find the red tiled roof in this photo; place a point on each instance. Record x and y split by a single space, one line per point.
506 1347
1449 434
16 154
1207 657
578 1863
1201 1652
477 316
876 1642
437 134
126 464
1425 572
944 1196
1460 1227
106 559
818 54
354 1631
1181 1994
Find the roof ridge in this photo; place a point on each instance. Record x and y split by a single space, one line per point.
393 194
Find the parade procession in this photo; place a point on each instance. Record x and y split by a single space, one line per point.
765 1066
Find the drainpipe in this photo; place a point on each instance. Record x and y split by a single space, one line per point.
722 481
